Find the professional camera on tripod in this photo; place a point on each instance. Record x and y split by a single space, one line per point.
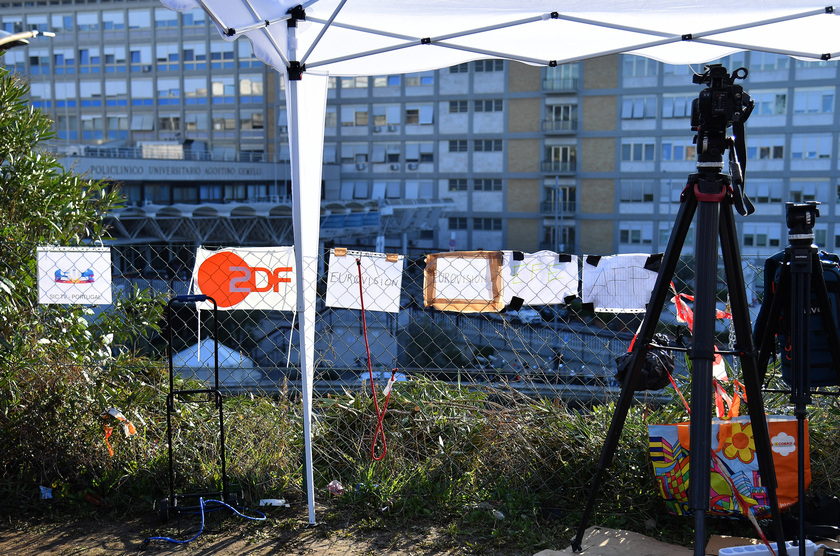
710 194
720 105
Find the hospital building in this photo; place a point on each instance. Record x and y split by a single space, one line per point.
587 158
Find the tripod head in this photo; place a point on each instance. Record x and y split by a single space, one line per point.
801 218
720 105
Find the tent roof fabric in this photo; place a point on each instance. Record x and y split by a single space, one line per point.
375 37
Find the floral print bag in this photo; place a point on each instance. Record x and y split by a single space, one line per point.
736 487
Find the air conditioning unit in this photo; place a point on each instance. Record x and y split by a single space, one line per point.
395 166
392 128
361 166
377 129
412 166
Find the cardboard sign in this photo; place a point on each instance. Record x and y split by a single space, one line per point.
541 278
74 275
381 280
619 283
466 281
246 278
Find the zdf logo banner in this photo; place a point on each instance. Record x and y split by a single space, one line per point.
246 278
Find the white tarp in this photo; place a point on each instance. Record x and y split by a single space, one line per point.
380 276
74 275
377 37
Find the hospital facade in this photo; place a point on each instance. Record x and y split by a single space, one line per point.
589 157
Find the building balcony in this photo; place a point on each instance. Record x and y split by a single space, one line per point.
559 126
558 167
550 208
560 85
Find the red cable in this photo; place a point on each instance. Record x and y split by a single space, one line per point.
380 416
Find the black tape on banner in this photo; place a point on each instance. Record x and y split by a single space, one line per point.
518 256
569 298
515 304
588 307
593 260
654 262
564 258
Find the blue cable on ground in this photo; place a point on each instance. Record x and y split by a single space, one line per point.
201 505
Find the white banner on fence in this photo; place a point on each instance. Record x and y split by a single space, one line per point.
381 278
619 283
246 278
74 275
541 278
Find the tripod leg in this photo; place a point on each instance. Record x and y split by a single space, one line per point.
640 349
703 356
752 382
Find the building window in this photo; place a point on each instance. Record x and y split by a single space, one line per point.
425 79
765 61
638 66
766 147
458 223
422 114
194 18
640 107
113 21
489 65
458 106
387 81
678 149
460 184
357 82
487 145
809 190
810 147
487 224
561 158
762 235
635 233
495 105
813 101
636 191
770 103
637 151
460 68
677 106
458 146
487 184
562 77
764 191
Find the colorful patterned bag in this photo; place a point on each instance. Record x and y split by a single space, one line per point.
736 488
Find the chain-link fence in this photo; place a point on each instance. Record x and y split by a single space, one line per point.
476 398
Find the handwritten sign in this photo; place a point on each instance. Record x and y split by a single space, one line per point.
541 278
381 280
246 278
466 281
618 283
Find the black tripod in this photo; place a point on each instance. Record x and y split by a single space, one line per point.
800 274
709 193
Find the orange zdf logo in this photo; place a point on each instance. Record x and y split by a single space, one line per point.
228 279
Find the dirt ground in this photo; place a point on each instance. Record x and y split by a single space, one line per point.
285 531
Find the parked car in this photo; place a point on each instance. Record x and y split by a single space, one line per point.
525 316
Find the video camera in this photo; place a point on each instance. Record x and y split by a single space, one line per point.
721 104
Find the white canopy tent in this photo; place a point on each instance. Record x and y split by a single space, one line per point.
308 41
